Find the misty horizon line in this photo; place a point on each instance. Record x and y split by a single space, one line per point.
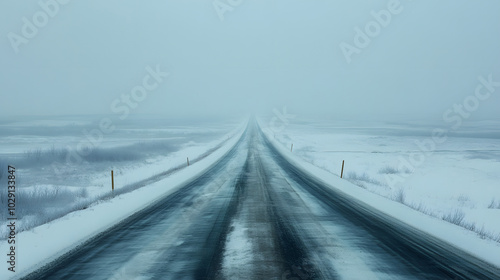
298 115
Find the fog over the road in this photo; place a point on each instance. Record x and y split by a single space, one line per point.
409 59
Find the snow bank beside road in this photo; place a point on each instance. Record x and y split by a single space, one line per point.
459 237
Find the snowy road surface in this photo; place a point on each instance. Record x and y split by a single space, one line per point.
253 215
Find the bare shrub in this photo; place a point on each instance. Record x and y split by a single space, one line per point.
456 217
83 192
406 171
356 178
400 196
34 154
470 226
463 198
421 208
494 204
42 204
497 238
388 170
134 152
482 233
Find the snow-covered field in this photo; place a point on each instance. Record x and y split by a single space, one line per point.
457 180
49 241
63 164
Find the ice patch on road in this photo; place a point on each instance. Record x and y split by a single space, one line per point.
238 253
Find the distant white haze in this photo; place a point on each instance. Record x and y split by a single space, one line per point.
367 60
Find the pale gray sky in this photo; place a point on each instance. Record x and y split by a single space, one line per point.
262 55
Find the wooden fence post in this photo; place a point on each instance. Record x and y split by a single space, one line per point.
188 161
342 171
112 181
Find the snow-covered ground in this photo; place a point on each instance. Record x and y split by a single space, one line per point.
55 175
310 146
457 180
460 176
